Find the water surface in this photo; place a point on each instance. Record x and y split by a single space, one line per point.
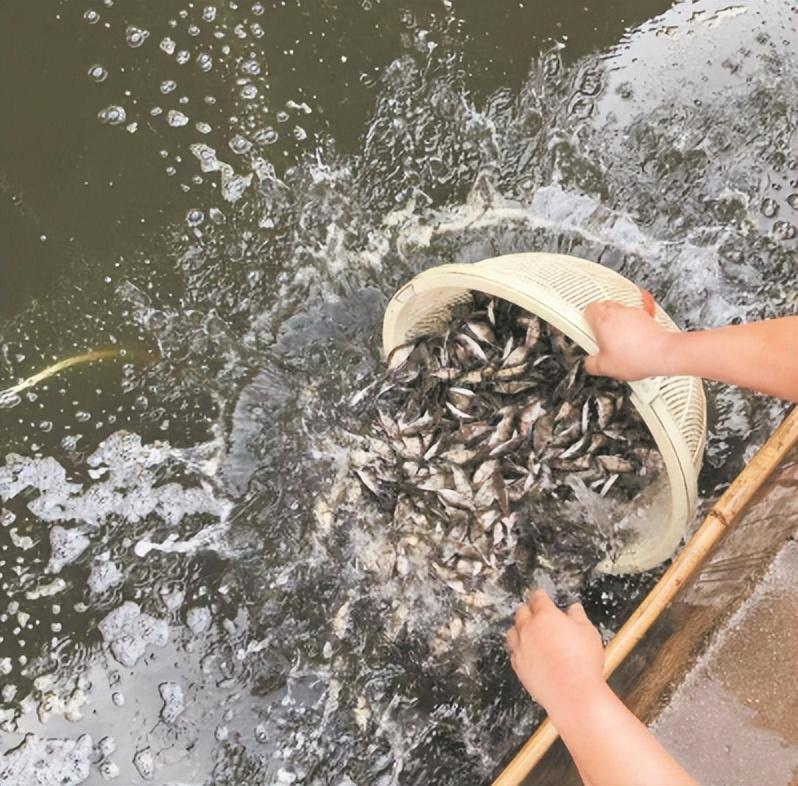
354 146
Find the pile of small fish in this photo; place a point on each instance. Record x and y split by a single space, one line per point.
492 439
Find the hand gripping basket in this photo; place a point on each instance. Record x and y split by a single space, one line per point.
557 288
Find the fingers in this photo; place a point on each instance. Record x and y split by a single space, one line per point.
539 601
577 613
522 613
596 311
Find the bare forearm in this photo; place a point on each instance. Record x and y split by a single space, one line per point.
611 747
762 356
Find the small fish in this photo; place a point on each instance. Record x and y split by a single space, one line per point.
455 499
472 347
511 372
615 464
400 355
517 357
484 471
482 332
458 412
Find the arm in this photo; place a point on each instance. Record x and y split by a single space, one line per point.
762 356
559 659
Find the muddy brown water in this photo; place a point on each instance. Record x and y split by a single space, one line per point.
367 141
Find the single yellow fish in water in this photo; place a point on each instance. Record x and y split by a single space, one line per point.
76 360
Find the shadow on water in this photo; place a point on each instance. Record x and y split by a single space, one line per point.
271 188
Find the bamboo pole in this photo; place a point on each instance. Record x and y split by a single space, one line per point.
723 513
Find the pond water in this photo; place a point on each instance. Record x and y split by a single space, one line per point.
228 194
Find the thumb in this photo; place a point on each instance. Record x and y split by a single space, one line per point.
593 364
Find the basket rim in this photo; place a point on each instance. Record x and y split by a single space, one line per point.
493 277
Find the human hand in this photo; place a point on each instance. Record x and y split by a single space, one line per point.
558 656
631 344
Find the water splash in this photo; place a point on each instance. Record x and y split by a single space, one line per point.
266 316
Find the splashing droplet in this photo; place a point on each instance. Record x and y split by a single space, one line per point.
205 62
769 207
250 67
136 36
194 217
784 230
176 119
266 136
240 144
112 115
98 73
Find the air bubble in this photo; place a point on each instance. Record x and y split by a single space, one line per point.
769 207
250 67
98 73
195 217
112 115
176 119
136 36
209 13
300 134
407 18
256 30
249 92
205 62
92 17
216 215
792 201
183 56
168 46
257 9
266 136
168 85
193 30
784 230
282 117
203 128
240 144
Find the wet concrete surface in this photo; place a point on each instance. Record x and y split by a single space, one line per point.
733 719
